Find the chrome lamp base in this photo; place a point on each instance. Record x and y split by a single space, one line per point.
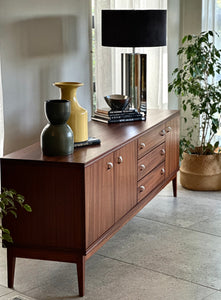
133 79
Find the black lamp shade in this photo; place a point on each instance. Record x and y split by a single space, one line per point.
133 28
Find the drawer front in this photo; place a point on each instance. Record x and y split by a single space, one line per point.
151 139
150 161
148 183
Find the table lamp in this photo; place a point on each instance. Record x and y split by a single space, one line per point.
134 28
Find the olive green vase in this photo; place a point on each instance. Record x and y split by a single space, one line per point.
57 137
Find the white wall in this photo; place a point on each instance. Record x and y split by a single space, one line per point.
41 42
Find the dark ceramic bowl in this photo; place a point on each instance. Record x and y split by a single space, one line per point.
57 111
117 102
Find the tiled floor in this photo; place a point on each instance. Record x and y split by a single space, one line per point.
171 250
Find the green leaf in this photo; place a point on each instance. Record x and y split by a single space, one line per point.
7 237
216 145
13 213
184 39
189 37
27 208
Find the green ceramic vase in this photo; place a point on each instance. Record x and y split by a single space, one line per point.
57 137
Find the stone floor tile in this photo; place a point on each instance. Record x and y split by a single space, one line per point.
211 225
185 211
3 266
15 296
213 296
181 191
4 290
31 273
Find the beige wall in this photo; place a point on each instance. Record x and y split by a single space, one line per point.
191 17
184 17
173 33
190 23
40 42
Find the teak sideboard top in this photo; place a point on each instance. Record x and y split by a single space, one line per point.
80 201
112 136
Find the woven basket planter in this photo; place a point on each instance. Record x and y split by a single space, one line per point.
201 172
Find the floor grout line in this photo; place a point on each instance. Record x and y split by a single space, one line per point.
208 296
178 226
187 197
159 272
7 293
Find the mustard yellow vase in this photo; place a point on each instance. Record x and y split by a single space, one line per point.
78 120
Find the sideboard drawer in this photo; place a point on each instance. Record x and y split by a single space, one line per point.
150 161
149 182
151 139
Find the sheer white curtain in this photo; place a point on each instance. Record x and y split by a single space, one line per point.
211 20
1 116
208 14
107 60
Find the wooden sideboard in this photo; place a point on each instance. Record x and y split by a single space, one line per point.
80 201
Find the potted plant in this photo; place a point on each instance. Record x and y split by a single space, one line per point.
8 205
197 81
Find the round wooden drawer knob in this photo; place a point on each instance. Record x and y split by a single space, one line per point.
142 167
162 172
142 188
142 145
120 159
168 129
162 151
109 165
163 132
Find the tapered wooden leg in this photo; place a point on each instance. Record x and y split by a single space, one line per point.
81 275
11 267
175 186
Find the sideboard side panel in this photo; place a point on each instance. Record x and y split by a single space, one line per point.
172 146
56 195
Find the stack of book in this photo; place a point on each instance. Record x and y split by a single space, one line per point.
112 116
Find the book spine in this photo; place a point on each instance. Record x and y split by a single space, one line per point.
118 116
126 120
125 116
117 112
99 119
106 117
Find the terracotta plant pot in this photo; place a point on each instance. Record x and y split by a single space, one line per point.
201 172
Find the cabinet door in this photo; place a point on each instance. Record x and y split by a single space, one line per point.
99 198
125 179
172 146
